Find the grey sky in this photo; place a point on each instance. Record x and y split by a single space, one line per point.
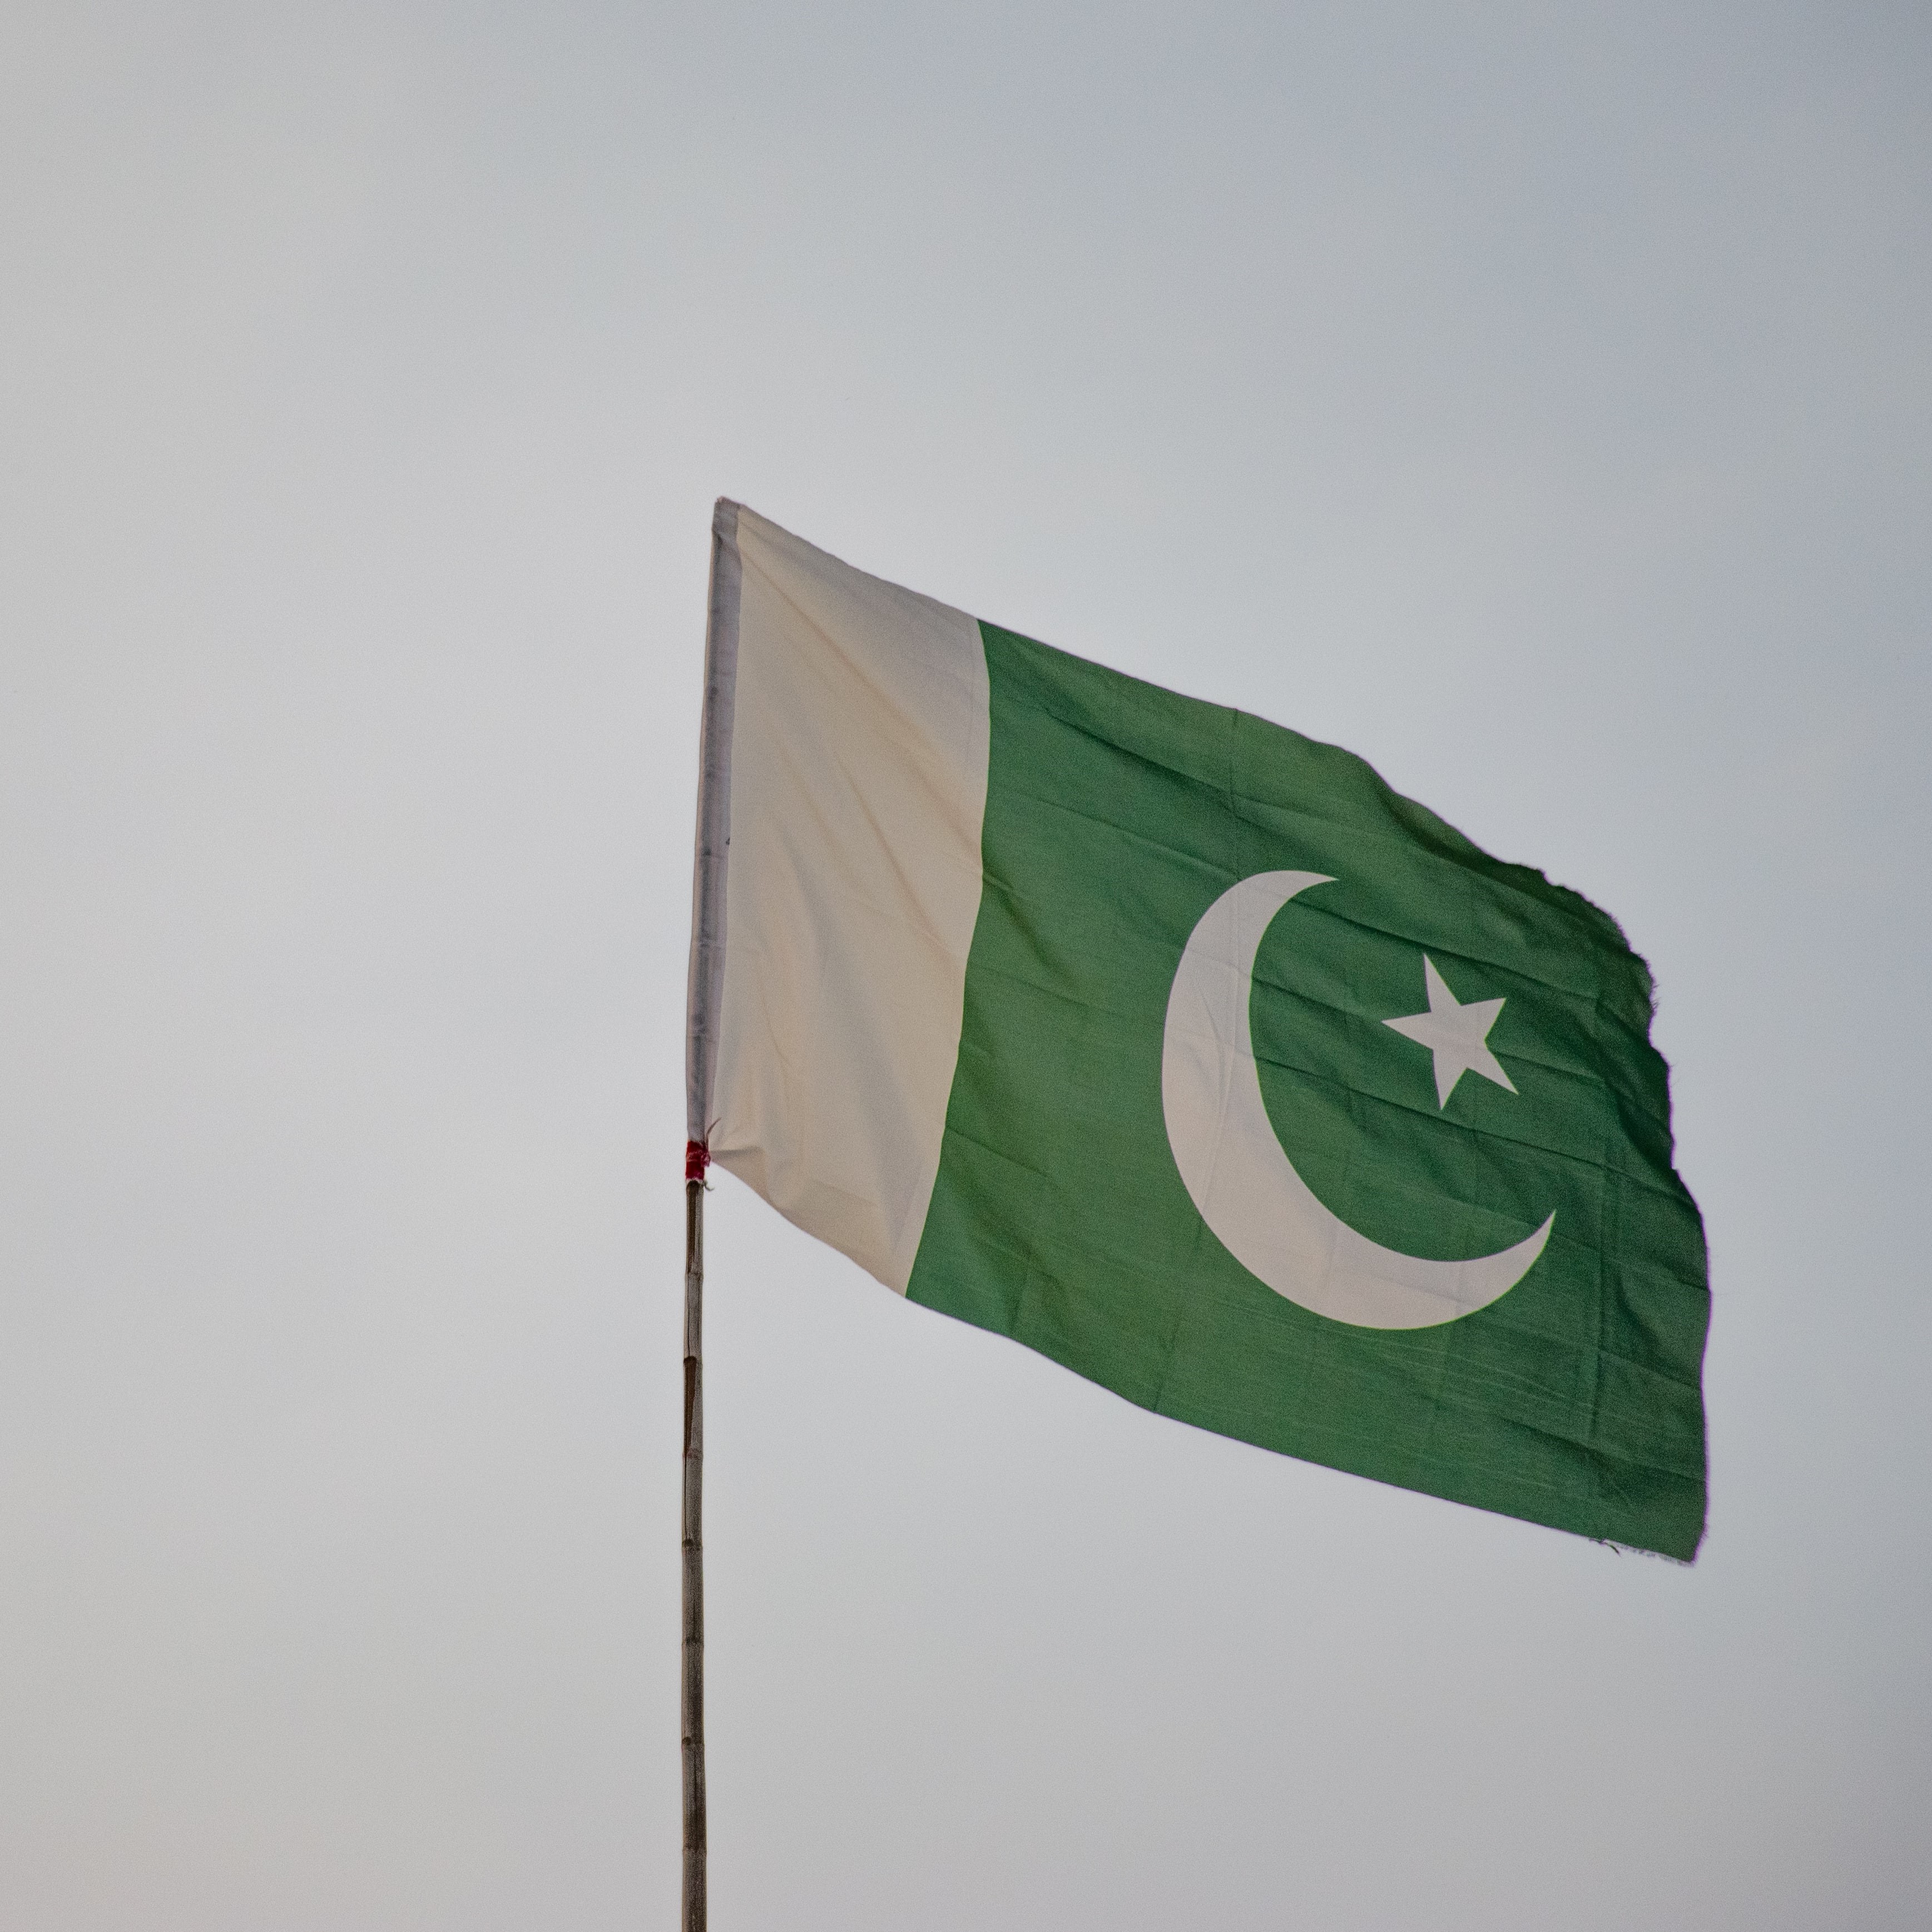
1534 399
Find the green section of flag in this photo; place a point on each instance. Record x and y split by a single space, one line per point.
1116 814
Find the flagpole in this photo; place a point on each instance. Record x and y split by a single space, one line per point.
692 1697
707 998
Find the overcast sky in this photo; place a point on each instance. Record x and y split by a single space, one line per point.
1534 399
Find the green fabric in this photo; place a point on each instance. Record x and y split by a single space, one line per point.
1116 814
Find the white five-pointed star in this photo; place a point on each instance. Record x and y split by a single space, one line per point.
1455 1034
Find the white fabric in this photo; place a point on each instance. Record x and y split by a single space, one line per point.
858 788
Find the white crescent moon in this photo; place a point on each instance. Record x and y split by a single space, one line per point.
1242 1180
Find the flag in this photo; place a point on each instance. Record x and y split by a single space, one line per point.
1177 1046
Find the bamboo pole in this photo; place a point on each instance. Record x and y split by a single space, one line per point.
692 1697
706 995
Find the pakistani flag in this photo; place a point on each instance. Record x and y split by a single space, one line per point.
1177 1046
